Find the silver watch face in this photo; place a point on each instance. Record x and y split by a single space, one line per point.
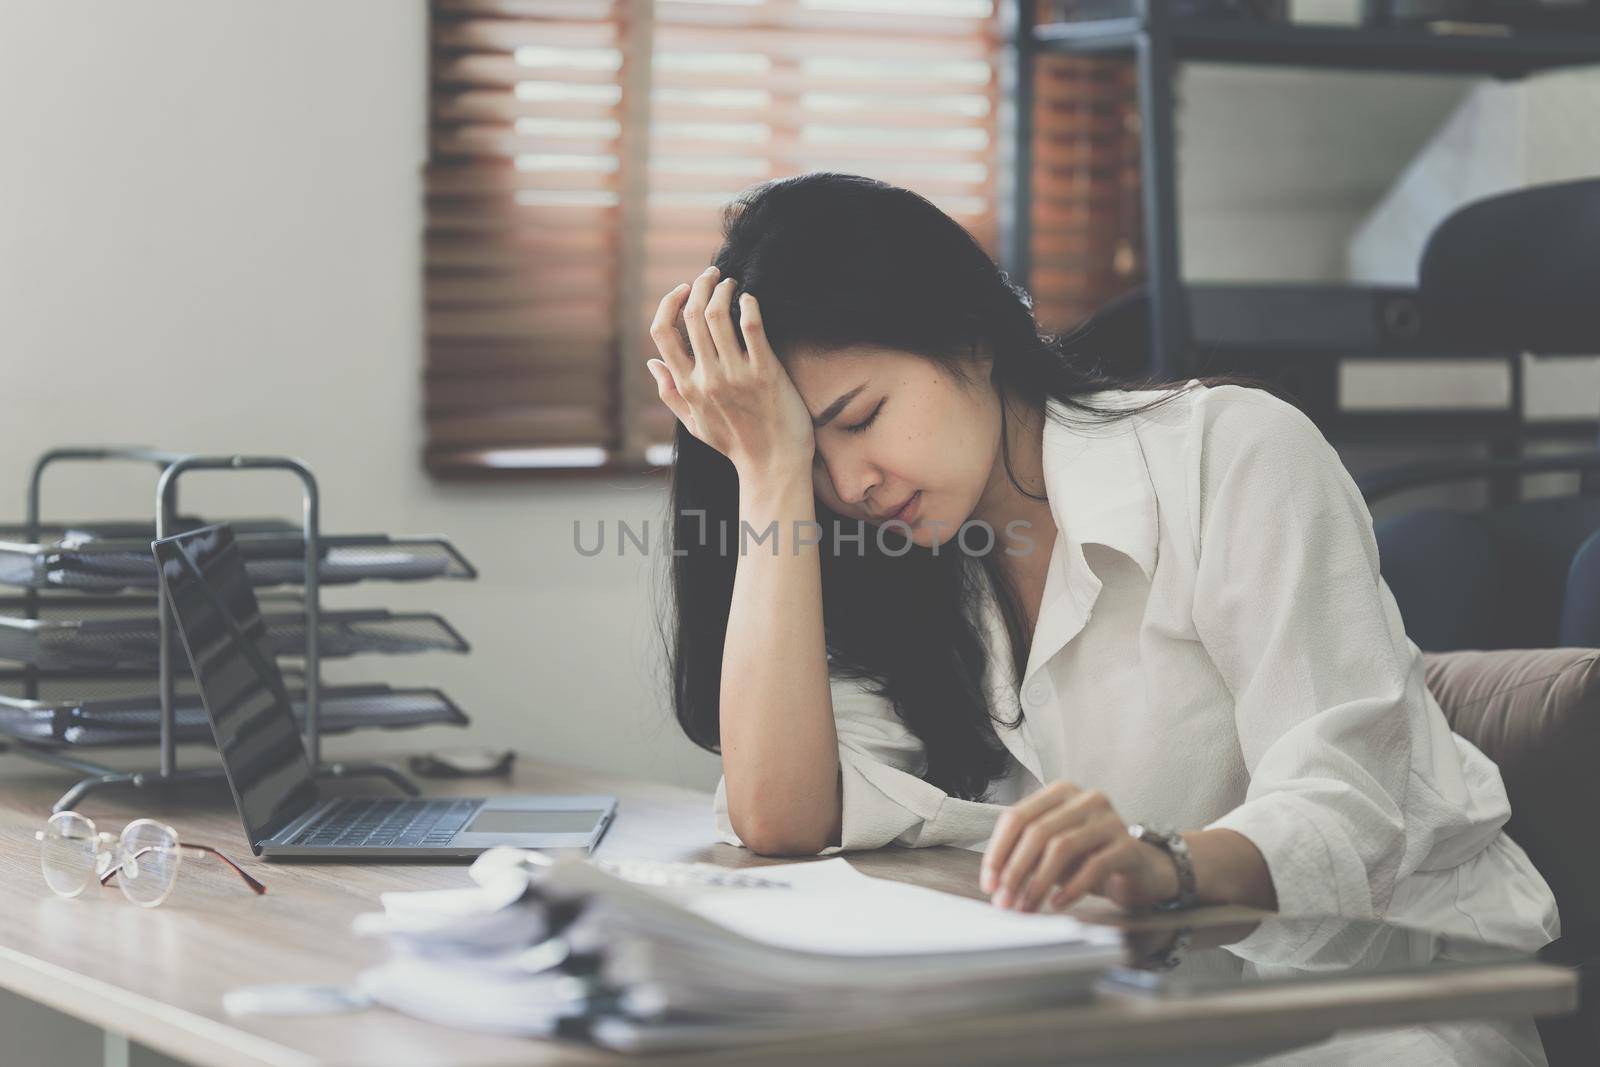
1148 834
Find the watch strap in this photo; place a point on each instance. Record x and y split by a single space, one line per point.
1177 849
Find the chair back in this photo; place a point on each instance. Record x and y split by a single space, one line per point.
1517 271
1522 576
1580 615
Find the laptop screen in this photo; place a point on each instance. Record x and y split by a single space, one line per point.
221 627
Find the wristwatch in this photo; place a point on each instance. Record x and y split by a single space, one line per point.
1176 847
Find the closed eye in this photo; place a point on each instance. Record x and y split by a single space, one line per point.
861 427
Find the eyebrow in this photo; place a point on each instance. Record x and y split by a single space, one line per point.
833 409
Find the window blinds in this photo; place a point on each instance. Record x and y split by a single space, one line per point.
581 151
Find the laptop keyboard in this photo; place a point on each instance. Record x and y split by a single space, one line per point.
364 823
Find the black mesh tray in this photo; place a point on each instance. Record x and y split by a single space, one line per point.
76 534
75 687
132 642
104 679
274 554
129 721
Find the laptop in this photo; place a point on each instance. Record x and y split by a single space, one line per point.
285 815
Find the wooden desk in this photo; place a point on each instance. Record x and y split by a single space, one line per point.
157 976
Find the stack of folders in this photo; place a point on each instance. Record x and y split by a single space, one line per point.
648 956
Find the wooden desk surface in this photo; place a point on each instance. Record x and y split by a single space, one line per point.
158 975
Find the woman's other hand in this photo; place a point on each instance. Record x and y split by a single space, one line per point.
1051 848
736 398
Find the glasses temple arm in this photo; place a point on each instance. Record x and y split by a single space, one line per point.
255 885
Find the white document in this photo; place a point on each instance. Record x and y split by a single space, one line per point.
498 879
701 956
830 907
489 999
822 906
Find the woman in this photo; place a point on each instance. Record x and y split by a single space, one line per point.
939 581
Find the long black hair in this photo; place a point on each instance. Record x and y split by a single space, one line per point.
838 260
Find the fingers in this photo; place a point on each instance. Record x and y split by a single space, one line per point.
1066 854
1120 859
694 320
1070 830
664 332
715 348
1048 840
667 389
719 320
754 329
1011 825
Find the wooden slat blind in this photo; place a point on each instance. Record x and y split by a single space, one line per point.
523 214
581 151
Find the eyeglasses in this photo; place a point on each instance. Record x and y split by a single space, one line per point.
144 859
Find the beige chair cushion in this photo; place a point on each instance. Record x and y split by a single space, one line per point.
1536 713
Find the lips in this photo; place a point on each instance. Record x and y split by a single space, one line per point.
905 511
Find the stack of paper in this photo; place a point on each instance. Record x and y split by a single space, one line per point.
647 956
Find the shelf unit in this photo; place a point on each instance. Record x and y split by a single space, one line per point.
104 568
1159 38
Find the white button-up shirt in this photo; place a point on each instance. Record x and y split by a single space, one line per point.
1216 648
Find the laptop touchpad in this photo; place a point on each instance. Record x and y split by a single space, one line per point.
507 821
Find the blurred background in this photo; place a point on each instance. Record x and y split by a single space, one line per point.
417 245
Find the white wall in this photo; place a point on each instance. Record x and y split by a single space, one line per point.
1280 166
210 240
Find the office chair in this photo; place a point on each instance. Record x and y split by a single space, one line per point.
1518 582
1523 575
1519 273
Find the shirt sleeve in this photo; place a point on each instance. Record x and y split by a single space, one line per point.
1355 777
885 801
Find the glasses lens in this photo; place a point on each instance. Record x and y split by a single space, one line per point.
66 853
149 862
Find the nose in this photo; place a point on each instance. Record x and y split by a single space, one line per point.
852 479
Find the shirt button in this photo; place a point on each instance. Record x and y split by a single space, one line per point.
1038 694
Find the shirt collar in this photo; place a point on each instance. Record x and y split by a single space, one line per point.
1100 492
1098 481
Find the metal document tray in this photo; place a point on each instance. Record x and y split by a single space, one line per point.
135 720
272 557
132 642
